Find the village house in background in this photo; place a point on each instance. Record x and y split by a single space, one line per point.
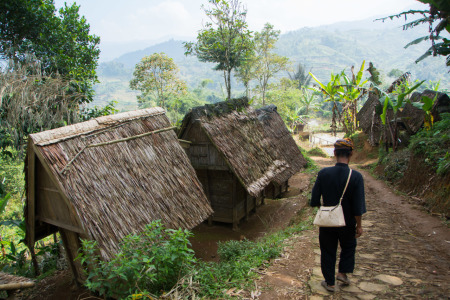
240 155
410 119
108 177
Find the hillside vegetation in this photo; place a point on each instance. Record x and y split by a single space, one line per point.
323 50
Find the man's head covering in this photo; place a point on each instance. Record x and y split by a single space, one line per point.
344 144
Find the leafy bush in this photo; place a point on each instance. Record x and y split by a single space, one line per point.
396 164
150 261
88 113
239 261
310 164
317 152
434 144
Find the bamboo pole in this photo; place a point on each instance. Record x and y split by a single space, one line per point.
131 137
16 285
114 142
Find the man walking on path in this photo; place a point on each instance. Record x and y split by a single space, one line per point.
330 184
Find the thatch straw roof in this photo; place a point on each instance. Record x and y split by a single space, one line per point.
410 116
255 143
117 188
369 121
414 117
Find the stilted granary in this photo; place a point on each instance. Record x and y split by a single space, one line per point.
106 178
240 155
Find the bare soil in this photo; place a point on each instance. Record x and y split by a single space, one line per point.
401 242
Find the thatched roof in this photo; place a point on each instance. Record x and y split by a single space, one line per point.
414 117
117 188
411 117
255 143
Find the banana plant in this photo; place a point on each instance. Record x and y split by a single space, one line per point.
353 90
331 93
347 90
394 101
426 104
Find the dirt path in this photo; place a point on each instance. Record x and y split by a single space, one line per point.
403 254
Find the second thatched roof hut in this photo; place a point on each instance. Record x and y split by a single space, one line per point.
410 118
106 178
240 155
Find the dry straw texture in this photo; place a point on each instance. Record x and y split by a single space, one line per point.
255 143
118 188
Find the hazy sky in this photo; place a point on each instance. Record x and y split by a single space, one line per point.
130 20
129 25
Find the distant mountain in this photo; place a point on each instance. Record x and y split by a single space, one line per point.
172 48
323 49
327 49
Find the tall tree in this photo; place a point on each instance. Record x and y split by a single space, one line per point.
301 76
267 63
225 40
245 72
157 75
60 41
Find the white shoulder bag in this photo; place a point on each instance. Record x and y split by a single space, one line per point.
332 216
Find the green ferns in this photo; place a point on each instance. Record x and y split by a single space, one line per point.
434 145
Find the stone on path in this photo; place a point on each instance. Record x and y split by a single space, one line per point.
366 223
350 288
371 287
349 297
317 272
316 298
367 256
389 279
366 296
317 288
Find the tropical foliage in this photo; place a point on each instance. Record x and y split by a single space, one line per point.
438 20
60 40
225 40
266 63
394 102
156 76
344 92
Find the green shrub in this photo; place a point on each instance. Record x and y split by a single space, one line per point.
151 261
396 164
317 152
238 265
434 145
310 164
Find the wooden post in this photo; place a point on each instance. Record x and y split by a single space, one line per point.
234 203
70 257
208 196
246 207
31 213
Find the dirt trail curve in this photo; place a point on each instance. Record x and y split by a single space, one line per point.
403 254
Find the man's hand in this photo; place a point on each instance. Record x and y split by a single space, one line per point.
359 231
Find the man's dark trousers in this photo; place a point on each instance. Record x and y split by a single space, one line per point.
328 239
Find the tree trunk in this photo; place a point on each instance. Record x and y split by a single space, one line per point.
229 84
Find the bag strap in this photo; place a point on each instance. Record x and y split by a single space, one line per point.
346 185
340 200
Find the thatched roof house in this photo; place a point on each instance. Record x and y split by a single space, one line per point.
413 117
248 150
109 177
410 118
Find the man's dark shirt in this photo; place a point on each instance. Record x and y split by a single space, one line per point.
330 184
